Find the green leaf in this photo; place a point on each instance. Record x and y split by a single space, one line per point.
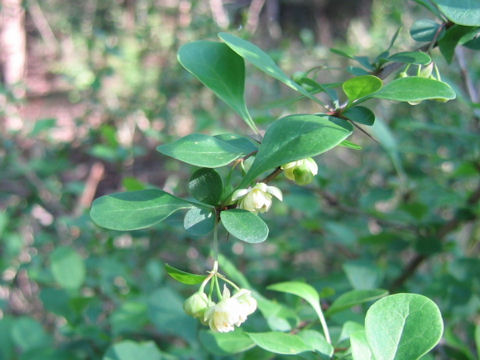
424 30
206 186
280 343
450 40
477 339
415 88
350 145
296 137
198 221
317 342
244 225
360 114
355 297
403 327
411 57
223 344
135 210
221 70
242 143
131 350
262 61
462 12
362 274
359 346
28 334
361 86
202 150
183 276
165 310
130 316
68 267
303 290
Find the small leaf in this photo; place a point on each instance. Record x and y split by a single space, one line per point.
301 289
135 209
206 186
128 350
415 88
198 221
359 345
477 339
361 86
262 61
280 343
350 145
462 12
244 225
450 40
68 267
28 334
221 70
411 57
317 342
223 344
183 276
424 30
360 114
296 137
202 150
355 297
403 327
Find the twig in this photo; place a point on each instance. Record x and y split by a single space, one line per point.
41 23
471 90
91 185
272 175
254 15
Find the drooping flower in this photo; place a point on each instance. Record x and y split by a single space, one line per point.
301 171
231 311
258 198
197 304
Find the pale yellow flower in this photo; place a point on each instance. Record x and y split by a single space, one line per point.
258 198
301 171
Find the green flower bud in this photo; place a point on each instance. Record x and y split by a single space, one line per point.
301 171
196 305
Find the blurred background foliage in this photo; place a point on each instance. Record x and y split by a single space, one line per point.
101 88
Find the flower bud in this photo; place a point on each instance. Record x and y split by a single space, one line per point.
258 198
301 171
196 305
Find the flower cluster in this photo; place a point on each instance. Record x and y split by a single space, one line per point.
223 316
258 198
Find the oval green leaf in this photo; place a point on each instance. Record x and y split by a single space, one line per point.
317 342
424 30
451 39
355 297
280 343
183 276
199 221
359 346
68 267
411 57
262 61
128 350
301 289
206 186
135 209
202 150
403 327
415 88
245 144
361 86
223 344
296 137
462 12
244 225
221 70
360 114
